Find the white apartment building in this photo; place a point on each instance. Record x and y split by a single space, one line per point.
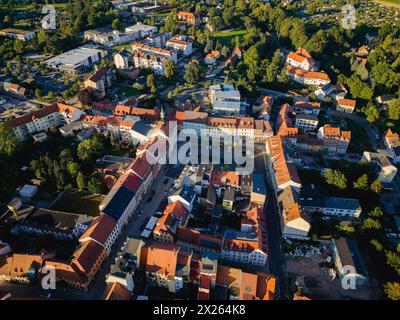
386 171
181 44
152 57
338 207
42 120
301 59
306 122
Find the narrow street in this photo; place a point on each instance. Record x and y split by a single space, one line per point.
277 264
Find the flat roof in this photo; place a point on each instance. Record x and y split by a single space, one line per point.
74 56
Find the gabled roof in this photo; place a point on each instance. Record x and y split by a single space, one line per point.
116 291
86 256
99 230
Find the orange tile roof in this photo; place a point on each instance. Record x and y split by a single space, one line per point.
173 211
224 178
301 55
100 229
250 286
116 291
284 172
392 137
160 258
140 166
86 256
347 103
284 124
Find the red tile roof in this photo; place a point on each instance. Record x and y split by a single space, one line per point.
100 229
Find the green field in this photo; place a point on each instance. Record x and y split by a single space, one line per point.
391 3
122 46
225 37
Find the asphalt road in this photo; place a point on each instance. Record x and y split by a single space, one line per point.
276 259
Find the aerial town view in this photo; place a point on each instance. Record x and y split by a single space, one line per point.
199 150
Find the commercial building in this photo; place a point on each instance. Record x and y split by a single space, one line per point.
77 60
19 34
225 99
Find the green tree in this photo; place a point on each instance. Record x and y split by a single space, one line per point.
392 290
376 213
80 181
9 143
371 223
359 89
169 69
394 109
371 113
73 169
335 178
116 24
151 81
377 186
393 260
95 184
361 183
38 93
192 73
377 245
90 149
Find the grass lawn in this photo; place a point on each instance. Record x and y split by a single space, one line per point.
81 202
129 91
122 46
390 3
225 37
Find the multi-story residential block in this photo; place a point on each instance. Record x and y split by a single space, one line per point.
338 207
386 171
43 119
247 286
19 34
243 247
190 239
190 18
306 107
174 215
152 57
392 143
348 261
126 264
284 123
335 140
294 221
283 173
102 230
192 120
181 44
212 57
263 106
101 79
306 122
185 196
225 99
346 105
301 59
78 59
316 78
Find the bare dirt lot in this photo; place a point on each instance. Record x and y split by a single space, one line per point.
316 282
